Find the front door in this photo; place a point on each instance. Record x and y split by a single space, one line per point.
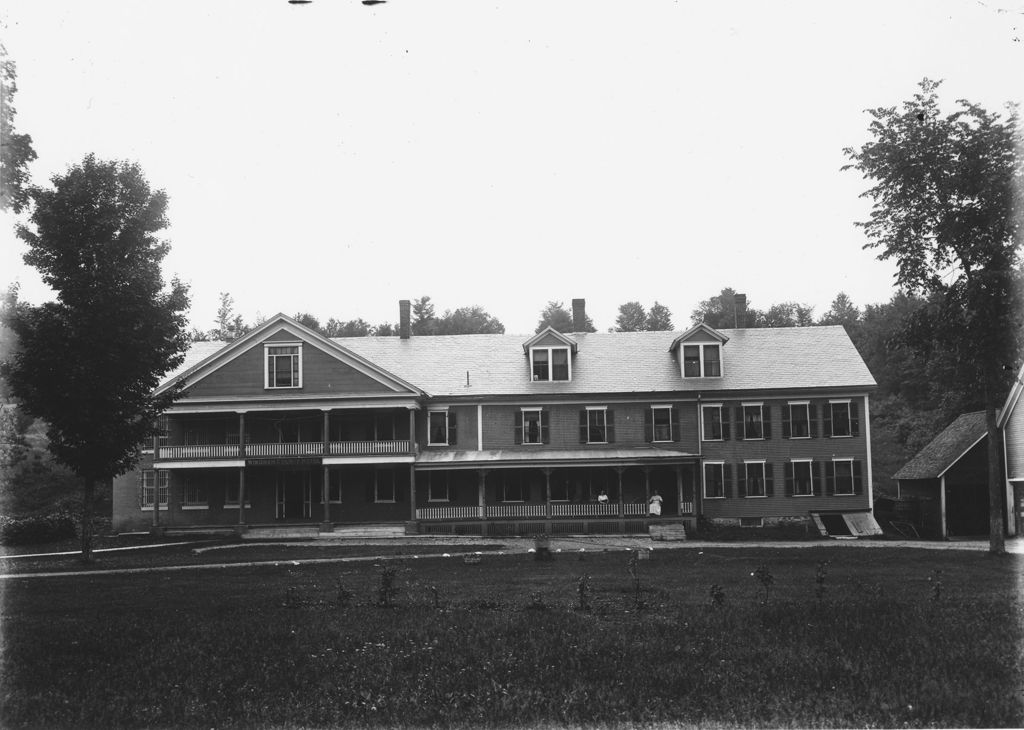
294 495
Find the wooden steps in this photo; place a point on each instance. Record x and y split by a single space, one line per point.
669 531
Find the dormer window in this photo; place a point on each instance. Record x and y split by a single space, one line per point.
550 363
283 365
702 361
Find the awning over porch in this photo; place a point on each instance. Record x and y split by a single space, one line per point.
540 458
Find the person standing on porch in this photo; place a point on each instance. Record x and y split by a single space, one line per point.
654 509
602 498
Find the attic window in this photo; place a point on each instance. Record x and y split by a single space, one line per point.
702 361
550 363
283 365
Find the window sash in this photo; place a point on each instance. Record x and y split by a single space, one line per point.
714 481
799 420
194 493
661 419
712 361
841 422
803 484
712 423
753 423
755 479
691 361
843 477
384 486
532 432
437 431
155 482
541 364
550 363
283 366
560 363
597 426
438 488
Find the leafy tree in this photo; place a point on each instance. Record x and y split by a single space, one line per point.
88 363
556 316
229 325
787 314
424 320
843 312
16 150
308 320
946 200
472 320
386 330
720 312
632 318
659 318
351 328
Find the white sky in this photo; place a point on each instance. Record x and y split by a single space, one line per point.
335 158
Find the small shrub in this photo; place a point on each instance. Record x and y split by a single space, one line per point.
763 575
37 529
583 592
386 590
717 595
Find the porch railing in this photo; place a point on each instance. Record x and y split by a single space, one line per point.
361 448
298 448
449 513
216 451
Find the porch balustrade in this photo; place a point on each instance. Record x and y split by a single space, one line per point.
515 510
300 448
449 513
215 451
370 448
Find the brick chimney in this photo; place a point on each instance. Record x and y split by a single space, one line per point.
740 309
404 326
579 315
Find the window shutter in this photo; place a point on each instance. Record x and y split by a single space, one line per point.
741 430
830 478
788 471
854 420
812 420
723 414
787 431
584 434
609 425
741 482
826 417
858 483
769 480
766 421
815 481
451 428
727 480
517 427
676 421
545 430
648 425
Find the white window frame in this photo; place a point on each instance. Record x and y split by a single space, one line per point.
704 478
430 427
431 476
721 423
540 425
806 404
835 478
197 488
703 361
747 463
550 350
654 424
849 417
810 476
160 485
377 485
744 407
523 490
604 411
267 346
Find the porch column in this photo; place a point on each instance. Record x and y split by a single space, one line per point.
241 495
622 511
412 432
412 493
241 434
647 485
679 486
156 484
327 432
326 490
942 505
547 494
481 493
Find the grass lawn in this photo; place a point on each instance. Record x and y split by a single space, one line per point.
890 642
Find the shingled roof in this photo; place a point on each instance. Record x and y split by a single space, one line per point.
945 449
620 362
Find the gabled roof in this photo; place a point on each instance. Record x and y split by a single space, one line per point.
620 362
550 331
1012 399
946 449
702 327
205 357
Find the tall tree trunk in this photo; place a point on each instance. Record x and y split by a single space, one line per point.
87 502
996 541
